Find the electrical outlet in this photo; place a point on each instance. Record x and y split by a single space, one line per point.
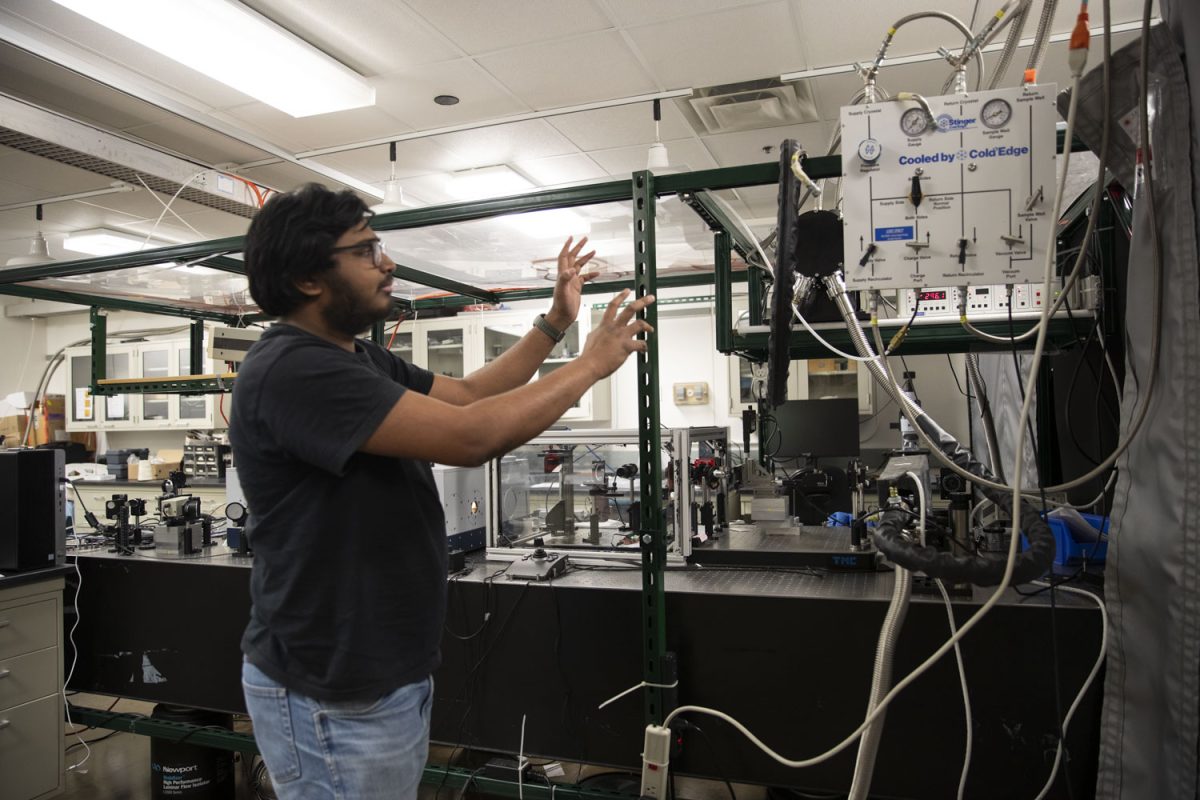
690 394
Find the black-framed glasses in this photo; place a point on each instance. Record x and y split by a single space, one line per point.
375 248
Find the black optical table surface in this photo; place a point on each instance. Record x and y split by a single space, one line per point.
789 652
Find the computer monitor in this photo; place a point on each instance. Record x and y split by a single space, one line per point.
816 428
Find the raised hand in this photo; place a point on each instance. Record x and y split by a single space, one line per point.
611 342
568 287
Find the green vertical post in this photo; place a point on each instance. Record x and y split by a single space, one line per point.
653 536
99 319
196 349
377 332
754 288
723 286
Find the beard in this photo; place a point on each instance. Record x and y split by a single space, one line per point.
348 314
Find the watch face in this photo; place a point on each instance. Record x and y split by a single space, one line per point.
996 113
914 122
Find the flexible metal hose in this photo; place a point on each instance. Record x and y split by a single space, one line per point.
1042 37
985 414
1010 46
881 682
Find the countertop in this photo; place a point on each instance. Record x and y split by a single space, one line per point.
11 579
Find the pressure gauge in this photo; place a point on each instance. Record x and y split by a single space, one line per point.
996 113
914 122
869 151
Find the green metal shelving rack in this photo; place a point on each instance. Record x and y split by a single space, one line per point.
643 188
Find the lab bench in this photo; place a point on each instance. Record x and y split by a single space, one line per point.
787 652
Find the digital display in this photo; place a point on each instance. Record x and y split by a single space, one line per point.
982 290
923 296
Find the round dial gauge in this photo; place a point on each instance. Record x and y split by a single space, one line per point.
914 122
996 113
869 151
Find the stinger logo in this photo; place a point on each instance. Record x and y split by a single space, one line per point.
945 123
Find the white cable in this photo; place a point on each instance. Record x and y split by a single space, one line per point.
1086 684
165 206
818 337
962 677
1012 547
71 672
924 508
170 202
521 762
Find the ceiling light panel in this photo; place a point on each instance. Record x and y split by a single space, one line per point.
107 242
241 49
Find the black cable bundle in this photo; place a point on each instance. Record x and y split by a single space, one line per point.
1030 564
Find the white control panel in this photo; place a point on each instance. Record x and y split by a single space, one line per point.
960 199
936 301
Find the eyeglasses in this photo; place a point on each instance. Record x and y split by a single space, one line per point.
375 248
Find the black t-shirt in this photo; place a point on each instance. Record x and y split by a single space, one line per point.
349 578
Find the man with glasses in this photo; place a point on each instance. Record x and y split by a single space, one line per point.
333 437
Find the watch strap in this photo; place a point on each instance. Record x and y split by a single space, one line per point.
545 327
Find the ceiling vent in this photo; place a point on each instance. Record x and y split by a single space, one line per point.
753 105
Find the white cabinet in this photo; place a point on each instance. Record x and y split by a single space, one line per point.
31 703
457 346
86 412
813 379
156 359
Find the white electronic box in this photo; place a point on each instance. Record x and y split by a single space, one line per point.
960 198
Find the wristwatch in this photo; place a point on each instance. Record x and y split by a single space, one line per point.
545 327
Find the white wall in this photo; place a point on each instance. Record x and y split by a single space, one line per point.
22 351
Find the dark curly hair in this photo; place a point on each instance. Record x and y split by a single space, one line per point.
290 240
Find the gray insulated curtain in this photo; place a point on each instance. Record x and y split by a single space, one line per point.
1150 721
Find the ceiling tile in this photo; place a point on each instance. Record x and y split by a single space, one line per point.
620 126
746 147
499 144
372 37
687 154
322 130
559 73
198 142
574 168
842 33
413 157
480 26
741 44
632 13
408 95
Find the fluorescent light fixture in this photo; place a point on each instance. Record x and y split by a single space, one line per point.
485 182
232 44
106 242
552 223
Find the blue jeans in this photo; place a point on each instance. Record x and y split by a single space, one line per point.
318 750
